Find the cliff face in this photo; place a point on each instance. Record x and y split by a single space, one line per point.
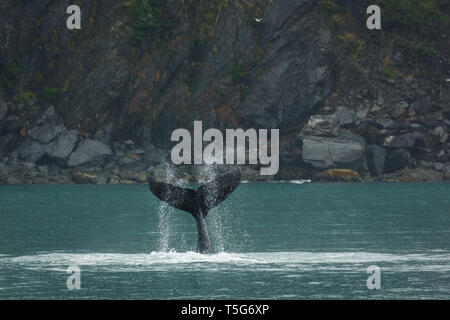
214 62
140 69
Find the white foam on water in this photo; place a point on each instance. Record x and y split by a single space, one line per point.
299 181
264 261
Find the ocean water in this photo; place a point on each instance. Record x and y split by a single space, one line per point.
273 241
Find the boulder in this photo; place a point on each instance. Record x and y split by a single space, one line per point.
346 151
12 179
322 126
397 159
45 133
87 151
402 141
31 150
376 158
337 175
63 146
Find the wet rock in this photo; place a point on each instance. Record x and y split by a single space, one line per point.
397 160
376 158
63 146
87 151
345 151
337 175
402 141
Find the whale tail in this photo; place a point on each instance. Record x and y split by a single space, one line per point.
205 198
198 202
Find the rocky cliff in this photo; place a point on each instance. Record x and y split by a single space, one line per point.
98 105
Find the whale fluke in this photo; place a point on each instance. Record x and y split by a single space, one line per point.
199 202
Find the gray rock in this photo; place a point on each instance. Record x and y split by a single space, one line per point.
346 152
31 150
8 143
398 56
12 179
376 158
380 100
397 160
362 114
422 105
45 133
13 123
345 116
402 141
411 82
386 124
322 126
88 151
441 133
3 113
49 116
400 109
63 146
43 170
4 171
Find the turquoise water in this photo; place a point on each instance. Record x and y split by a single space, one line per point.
274 241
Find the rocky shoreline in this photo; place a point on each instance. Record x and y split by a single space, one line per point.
51 154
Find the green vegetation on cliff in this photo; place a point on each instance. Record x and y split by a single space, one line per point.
146 17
